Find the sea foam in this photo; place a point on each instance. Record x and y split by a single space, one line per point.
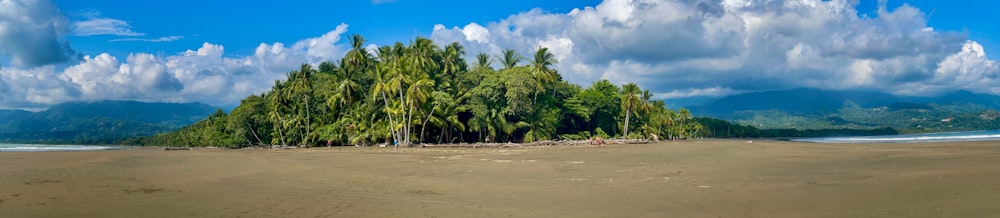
35 147
988 135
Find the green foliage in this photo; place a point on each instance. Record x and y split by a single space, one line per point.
717 128
603 99
600 133
419 93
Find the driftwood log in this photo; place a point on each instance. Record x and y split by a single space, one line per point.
176 149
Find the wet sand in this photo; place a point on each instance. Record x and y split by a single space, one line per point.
708 178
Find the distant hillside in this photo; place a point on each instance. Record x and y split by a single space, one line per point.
820 109
98 122
6 116
971 101
797 101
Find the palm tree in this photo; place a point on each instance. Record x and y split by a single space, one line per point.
541 71
492 123
453 63
358 56
453 60
509 58
683 115
301 85
276 103
420 55
346 86
631 101
449 114
670 121
416 94
541 66
380 88
483 60
389 81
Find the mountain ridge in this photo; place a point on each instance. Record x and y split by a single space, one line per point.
101 122
806 108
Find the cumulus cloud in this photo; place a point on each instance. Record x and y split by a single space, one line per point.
676 48
32 32
690 48
35 88
204 74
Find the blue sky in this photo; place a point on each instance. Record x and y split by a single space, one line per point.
218 52
242 25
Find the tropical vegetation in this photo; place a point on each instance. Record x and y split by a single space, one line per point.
407 94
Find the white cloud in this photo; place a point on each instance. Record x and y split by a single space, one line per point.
682 48
32 32
204 74
676 48
103 26
161 39
476 33
323 47
687 93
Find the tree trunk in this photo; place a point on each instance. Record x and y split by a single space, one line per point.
627 113
305 137
254 133
424 126
392 124
447 128
404 132
281 125
409 125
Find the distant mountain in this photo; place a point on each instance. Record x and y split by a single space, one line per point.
963 97
821 109
9 115
797 101
98 122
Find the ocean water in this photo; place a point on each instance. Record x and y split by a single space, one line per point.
988 135
36 147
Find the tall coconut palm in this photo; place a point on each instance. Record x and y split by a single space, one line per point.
380 89
302 85
389 81
683 115
453 63
509 58
483 60
416 94
346 87
358 56
631 101
541 66
453 60
670 121
276 103
420 55
541 70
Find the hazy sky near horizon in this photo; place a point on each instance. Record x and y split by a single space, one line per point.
218 52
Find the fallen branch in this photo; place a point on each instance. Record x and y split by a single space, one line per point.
176 149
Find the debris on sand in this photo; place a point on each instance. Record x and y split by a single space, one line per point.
176 149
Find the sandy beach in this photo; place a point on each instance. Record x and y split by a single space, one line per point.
706 178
